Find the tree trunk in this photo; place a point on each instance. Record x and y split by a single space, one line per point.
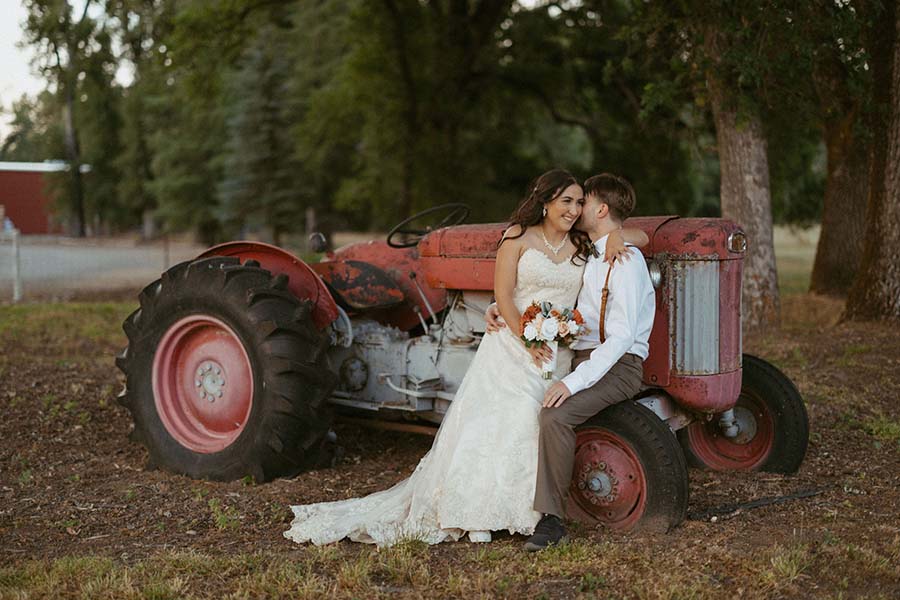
74 155
410 113
746 199
840 247
876 290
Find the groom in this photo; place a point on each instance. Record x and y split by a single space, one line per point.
617 303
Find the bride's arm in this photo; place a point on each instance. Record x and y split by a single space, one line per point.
505 283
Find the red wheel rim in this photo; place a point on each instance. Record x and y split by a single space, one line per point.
202 383
746 452
608 481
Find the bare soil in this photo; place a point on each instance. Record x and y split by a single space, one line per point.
72 484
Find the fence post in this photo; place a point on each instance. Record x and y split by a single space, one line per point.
17 277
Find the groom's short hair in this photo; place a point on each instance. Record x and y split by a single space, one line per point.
614 191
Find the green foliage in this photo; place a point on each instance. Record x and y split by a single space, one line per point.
27 136
240 115
262 183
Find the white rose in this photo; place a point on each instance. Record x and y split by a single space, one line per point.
549 329
530 332
573 327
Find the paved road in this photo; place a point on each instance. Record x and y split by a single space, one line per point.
66 267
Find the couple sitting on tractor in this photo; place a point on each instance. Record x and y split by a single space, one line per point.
503 456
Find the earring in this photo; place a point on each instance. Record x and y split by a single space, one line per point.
544 213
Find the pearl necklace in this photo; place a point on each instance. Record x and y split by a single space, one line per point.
554 249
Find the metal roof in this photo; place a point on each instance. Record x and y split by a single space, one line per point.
40 167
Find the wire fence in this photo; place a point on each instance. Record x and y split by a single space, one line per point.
37 267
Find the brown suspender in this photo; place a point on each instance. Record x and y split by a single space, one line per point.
603 296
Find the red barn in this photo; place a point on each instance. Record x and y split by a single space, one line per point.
23 198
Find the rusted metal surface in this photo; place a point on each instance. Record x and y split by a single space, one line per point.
694 238
359 285
303 282
463 257
391 425
697 326
398 263
706 393
475 274
659 362
464 241
649 225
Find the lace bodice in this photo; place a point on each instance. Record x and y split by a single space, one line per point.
541 279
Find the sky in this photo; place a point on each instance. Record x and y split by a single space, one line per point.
16 76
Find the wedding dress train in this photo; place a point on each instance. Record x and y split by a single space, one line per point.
480 473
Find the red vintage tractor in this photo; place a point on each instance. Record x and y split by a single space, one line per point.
237 360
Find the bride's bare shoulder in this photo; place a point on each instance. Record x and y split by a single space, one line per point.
515 236
514 232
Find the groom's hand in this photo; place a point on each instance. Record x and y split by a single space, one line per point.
556 395
492 318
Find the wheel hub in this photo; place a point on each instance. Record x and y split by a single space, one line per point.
210 381
202 383
746 422
748 449
609 485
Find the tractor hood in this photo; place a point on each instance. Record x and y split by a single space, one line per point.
462 257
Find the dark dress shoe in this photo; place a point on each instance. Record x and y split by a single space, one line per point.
549 532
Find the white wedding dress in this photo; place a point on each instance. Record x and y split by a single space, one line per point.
480 472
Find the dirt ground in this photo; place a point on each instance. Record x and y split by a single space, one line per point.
73 485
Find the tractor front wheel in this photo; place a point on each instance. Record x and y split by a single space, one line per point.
225 373
773 426
629 472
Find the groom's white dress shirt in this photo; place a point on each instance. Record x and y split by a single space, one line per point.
629 315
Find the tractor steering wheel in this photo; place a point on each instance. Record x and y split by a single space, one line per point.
403 235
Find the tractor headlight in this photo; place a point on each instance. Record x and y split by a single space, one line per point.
655 273
737 242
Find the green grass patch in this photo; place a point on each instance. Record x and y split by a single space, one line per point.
882 427
61 324
223 516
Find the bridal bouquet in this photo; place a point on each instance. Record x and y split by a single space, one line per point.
544 324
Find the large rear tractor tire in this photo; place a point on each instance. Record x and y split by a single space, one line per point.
629 472
774 427
225 373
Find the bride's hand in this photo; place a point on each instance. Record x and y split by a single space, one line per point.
493 320
540 354
615 247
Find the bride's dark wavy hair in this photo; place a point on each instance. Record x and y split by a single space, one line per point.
541 191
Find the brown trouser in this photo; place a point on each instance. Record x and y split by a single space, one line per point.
556 453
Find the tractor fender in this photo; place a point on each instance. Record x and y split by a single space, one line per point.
303 282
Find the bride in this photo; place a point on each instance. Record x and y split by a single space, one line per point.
479 475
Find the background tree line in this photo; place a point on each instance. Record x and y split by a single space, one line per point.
237 115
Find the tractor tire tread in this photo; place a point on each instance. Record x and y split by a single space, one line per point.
223 288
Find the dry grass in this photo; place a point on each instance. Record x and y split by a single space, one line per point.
843 544
584 569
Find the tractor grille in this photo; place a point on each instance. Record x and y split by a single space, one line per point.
694 326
